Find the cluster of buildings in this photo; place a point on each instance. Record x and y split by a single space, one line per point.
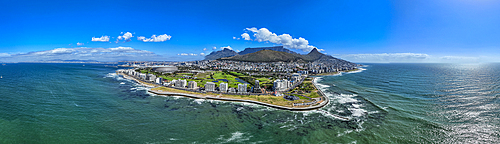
274 67
142 76
286 84
184 84
280 85
223 88
264 67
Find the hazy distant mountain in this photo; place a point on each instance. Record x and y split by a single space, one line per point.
276 48
74 60
220 54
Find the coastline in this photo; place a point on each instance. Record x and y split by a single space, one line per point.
212 97
339 72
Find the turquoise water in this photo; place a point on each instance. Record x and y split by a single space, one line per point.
388 103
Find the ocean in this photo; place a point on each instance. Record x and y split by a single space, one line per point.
387 103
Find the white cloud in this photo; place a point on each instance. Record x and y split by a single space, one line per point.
141 38
183 54
101 39
4 55
386 57
192 54
246 36
125 36
202 54
214 48
264 35
236 38
79 44
226 47
204 49
154 38
83 53
237 50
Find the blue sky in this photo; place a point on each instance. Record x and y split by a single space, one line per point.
375 31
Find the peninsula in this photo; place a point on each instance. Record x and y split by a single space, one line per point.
278 79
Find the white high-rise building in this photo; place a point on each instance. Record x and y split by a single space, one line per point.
280 85
277 85
192 85
150 77
242 88
180 83
159 80
173 82
210 86
142 76
223 87
183 83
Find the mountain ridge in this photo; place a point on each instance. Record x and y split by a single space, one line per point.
275 48
220 54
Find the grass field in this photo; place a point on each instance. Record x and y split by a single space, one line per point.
186 74
203 78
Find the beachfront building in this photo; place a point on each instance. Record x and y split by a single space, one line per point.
159 80
242 88
181 83
223 87
257 84
256 88
142 76
192 85
232 90
277 85
210 86
150 77
173 82
280 85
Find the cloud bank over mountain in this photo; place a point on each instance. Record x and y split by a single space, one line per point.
264 35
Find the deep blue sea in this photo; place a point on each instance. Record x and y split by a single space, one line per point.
388 103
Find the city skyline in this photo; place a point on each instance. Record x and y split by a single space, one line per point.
381 31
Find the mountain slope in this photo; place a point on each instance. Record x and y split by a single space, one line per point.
277 56
266 56
276 48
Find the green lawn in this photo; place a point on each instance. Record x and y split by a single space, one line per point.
263 80
202 75
203 78
237 74
186 74
167 77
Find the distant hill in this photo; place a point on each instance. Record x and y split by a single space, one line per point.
276 48
278 56
73 60
220 54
